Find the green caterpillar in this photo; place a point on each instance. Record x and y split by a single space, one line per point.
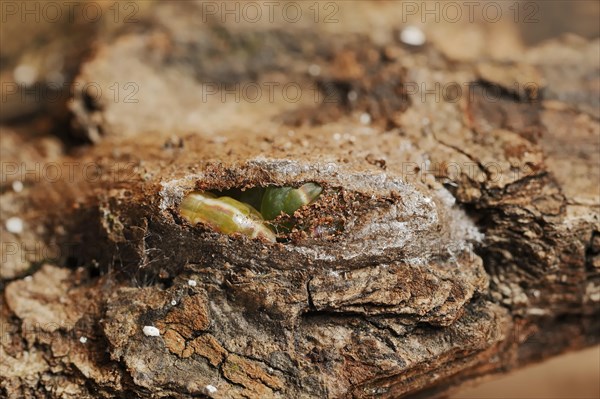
225 215
287 199
229 216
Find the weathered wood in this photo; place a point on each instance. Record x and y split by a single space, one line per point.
466 236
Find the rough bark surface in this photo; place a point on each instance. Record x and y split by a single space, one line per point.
460 231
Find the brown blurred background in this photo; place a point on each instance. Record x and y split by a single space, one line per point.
555 17
570 376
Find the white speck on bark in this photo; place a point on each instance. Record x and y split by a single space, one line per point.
211 389
412 36
365 118
192 283
17 186
151 331
25 74
14 225
537 311
314 70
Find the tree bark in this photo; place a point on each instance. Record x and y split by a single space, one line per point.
460 211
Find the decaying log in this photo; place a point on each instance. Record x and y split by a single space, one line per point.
460 229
